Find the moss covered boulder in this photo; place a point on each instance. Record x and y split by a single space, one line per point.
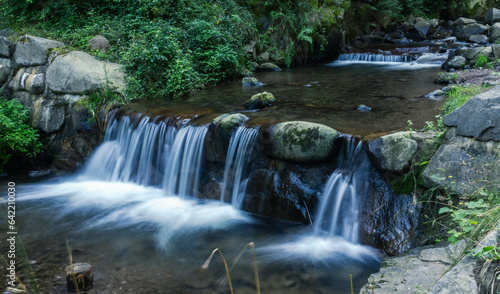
393 152
302 142
219 136
260 100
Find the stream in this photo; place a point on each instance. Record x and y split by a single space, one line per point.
144 231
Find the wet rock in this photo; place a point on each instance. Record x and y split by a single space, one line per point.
393 152
33 51
469 30
250 81
435 95
456 62
219 135
463 21
4 47
5 69
479 117
260 100
48 115
492 16
424 27
471 54
269 66
495 33
264 57
479 39
299 141
78 72
99 43
363 108
463 165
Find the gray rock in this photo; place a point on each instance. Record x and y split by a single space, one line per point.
469 30
5 69
455 62
264 57
78 72
28 79
393 152
260 100
435 95
4 47
479 39
250 81
269 66
448 77
479 117
495 32
99 43
299 141
26 98
48 115
463 165
471 54
460 279
32 51
229 122
422 27
492 16
463 21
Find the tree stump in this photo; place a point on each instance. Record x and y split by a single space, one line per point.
79 277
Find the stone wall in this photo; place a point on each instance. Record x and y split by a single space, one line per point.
51 82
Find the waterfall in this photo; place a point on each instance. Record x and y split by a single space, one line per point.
151 154
237 163
368 57
339 205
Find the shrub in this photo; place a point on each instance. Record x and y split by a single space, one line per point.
17 138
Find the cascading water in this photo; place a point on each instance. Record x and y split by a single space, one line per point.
237 163
152 154
338 210
369 57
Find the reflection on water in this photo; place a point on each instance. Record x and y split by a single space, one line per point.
143 241
327 94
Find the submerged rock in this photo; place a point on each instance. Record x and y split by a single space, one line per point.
269 66
250 81
393 152
260 100
299 141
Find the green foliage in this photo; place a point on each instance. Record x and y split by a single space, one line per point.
457 95
17 138
483 62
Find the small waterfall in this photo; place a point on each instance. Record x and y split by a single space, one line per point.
237 163
151 154
368 57
338 209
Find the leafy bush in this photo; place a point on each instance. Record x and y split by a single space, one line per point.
17 138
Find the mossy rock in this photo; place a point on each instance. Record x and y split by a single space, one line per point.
260 100
393 152
229 122
302 142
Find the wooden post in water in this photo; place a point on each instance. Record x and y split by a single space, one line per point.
79 277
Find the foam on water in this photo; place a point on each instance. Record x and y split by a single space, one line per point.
112 205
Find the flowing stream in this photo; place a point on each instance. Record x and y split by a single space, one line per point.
133 210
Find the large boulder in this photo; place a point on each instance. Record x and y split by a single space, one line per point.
469 30
260 100
78 72
479 117
462 21
4 47
33 51
492 16
229 122
424 27
393 152
302 142
471 54
48 115
5 68
495 32
479 39
464 165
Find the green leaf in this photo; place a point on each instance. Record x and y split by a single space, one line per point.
444 210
